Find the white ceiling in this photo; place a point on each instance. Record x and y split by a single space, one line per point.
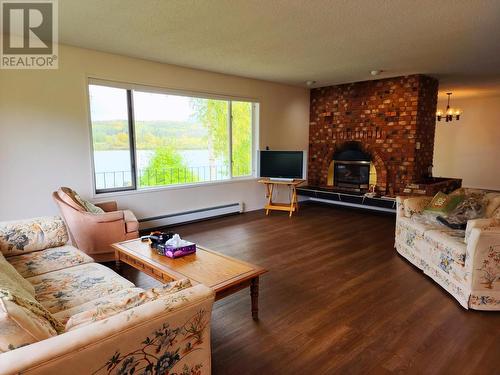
292 41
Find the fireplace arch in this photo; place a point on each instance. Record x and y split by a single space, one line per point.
362 152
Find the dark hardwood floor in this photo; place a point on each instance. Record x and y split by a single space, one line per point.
337 300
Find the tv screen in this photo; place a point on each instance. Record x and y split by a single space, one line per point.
282 164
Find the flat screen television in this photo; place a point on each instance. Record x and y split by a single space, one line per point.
282 164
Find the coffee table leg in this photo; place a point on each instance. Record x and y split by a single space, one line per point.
117 262
254 293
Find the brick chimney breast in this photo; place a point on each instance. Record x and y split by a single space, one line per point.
393 119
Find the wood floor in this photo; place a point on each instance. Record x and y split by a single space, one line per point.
337 300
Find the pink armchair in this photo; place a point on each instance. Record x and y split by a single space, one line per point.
94 233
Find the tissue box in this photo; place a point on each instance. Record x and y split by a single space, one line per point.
177 252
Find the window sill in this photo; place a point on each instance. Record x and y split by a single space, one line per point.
171 187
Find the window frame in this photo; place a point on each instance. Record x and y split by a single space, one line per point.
130 88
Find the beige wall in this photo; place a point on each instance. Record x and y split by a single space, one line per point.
45 136
470 148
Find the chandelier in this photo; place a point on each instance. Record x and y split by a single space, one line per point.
449 114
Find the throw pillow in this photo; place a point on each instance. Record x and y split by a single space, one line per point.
8 274
443 203
89 206
19 326
20 237
493 204
415 205
472 207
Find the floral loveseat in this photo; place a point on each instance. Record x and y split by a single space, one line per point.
61 313
466 263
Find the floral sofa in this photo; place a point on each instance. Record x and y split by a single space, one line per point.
466 263
61 313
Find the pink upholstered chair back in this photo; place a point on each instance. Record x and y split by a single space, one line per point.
94 233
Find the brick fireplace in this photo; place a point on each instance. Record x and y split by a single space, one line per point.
390 120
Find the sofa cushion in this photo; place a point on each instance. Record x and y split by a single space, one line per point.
64 315
8 274
66 288
53 259
449 242
20 237
419 224
117 305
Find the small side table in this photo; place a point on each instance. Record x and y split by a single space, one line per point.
290 207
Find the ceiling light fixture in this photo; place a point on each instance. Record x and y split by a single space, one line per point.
449 114
375 72
310 83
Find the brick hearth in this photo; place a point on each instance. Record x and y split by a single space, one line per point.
393 120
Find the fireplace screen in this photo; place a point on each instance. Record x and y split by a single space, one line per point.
352 174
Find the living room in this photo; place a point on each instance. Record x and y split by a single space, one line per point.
176 118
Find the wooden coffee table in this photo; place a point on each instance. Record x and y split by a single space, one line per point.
224 274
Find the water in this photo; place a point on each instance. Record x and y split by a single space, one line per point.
119 160
112 168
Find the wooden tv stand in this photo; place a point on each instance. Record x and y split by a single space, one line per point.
290 207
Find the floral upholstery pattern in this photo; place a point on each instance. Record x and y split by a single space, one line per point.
64 315
152 338
19 326
116 328
63 289
448 241
9 277
54 259
485 265
170 293
19 237
415 205
176 343
464 263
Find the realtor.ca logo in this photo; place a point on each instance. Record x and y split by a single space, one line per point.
29 34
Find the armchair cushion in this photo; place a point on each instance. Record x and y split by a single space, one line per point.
63 289
48 260
89 206
117 305
131 223
20 237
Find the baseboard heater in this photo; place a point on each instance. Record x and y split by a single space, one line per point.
190 216
355 205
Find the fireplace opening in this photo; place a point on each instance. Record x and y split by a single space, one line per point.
352 174
352 169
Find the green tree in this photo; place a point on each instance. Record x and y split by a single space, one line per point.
213 114
166 167
242 138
